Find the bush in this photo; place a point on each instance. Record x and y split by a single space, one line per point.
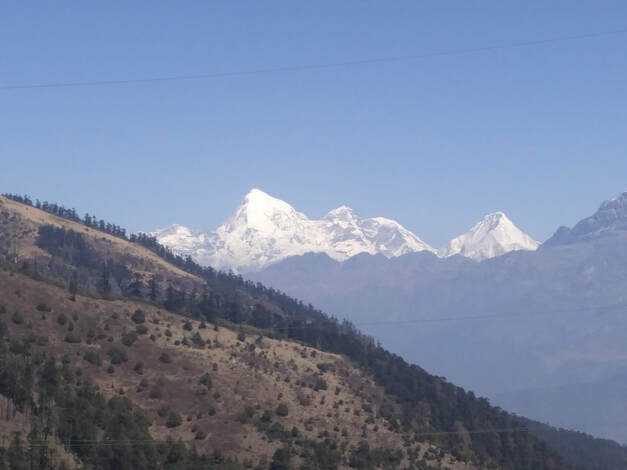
42 307
188 326
163 410
139 368
282 410
246 415
165 358
197 341
206 381
116 355
174 420
129 338
156 391
139 316
200 435
72 338
141 329
93 358
17 318
61 319
3 309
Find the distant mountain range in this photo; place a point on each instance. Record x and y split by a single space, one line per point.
548 324
264 230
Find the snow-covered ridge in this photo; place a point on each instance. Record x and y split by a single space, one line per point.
264 230
492 236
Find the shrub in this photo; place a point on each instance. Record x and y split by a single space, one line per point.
282 410
61 318
266 417
72 338
116 355
174 420
17 318
206 381
93 358
163 410
139 316
197 341
188 326
168 333
141 329
200 435
241 336
129 338
156 391
165 358
246 415
42 307
139 367
3 309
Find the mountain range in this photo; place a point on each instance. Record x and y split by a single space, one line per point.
548 324
264 230
545 320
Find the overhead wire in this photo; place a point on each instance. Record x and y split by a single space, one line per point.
306 67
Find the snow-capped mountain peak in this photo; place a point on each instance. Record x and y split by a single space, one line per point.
261 212
492 236
610 218
341 213
264 230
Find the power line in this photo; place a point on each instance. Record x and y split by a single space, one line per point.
298 68
133 442
488 316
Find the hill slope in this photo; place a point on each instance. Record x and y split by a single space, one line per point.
399 402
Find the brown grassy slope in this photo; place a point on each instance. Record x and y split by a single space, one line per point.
18 235
19 224
258 372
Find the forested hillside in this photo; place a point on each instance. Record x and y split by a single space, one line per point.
73 294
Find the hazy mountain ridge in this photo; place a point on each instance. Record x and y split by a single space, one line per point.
547 318
264 230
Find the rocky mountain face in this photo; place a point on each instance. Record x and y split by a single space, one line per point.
264 230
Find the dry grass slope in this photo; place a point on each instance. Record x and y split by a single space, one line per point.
166 356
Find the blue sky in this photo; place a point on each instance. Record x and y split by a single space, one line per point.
435 143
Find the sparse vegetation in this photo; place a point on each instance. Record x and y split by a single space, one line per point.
43 307
117 355
139 316
282 410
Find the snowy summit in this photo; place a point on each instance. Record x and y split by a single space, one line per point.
492 236
264 230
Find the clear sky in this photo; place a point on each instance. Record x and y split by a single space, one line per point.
538 132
